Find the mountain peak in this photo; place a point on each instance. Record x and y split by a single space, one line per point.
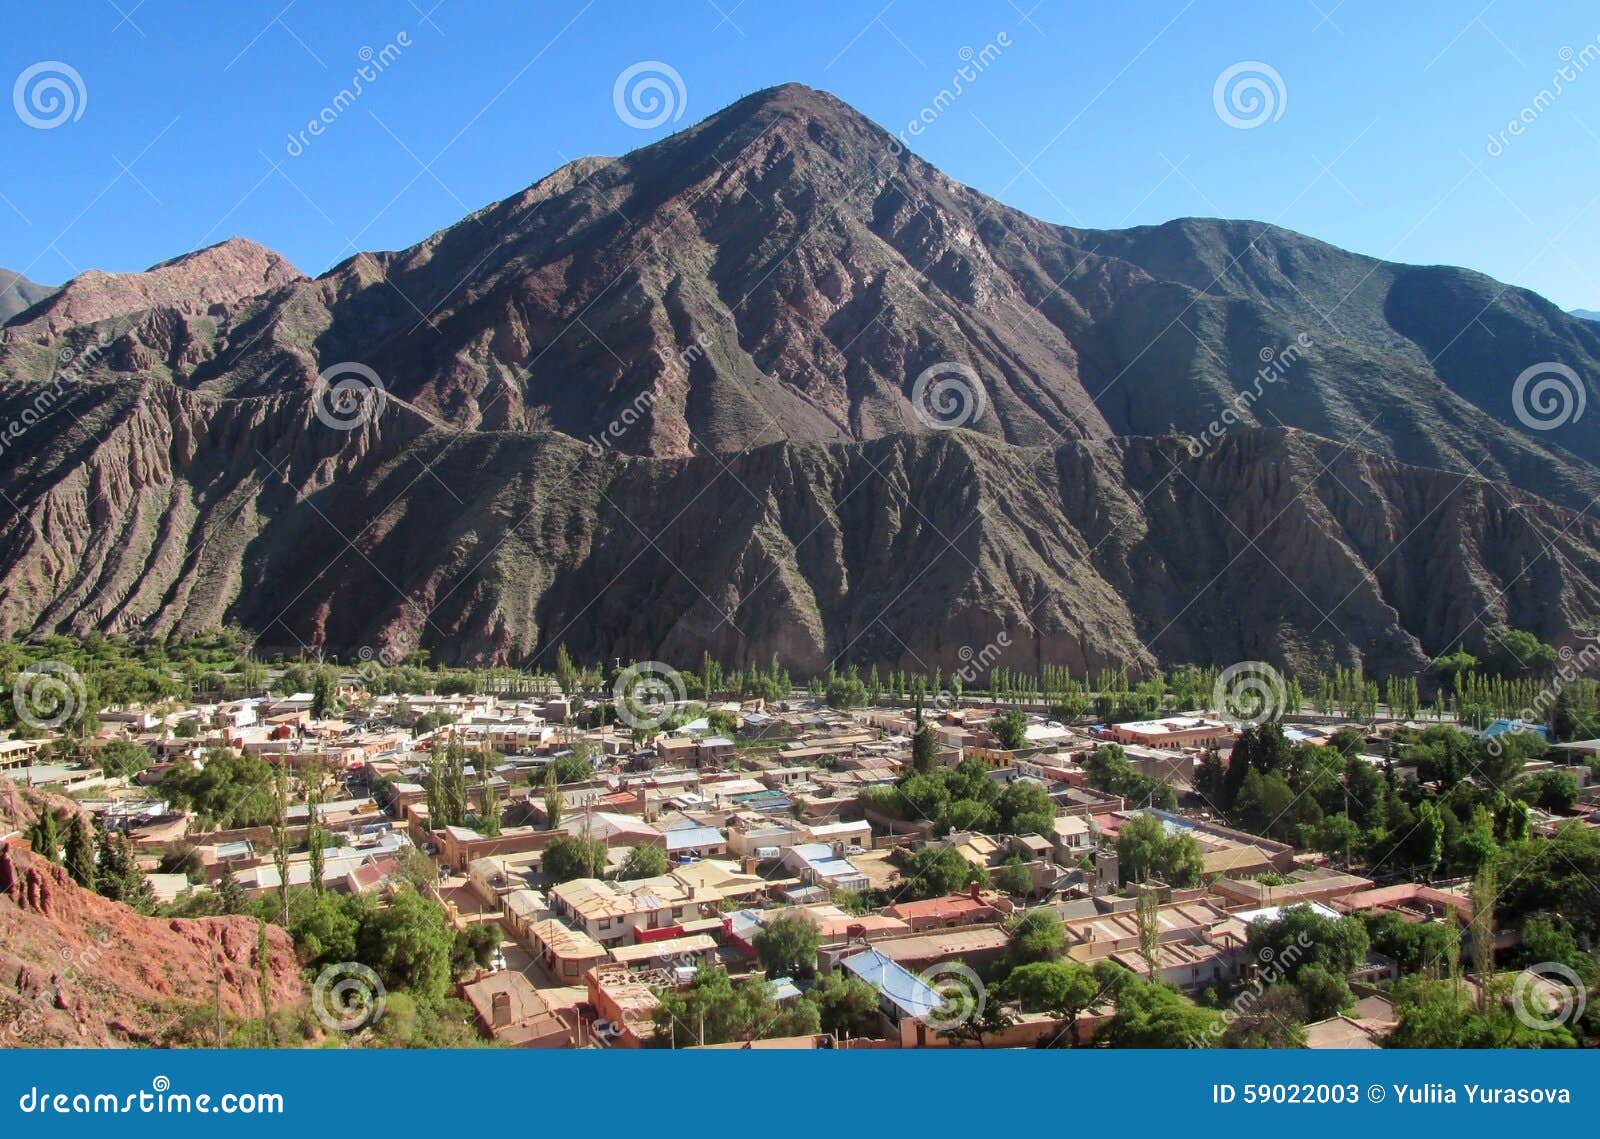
224 273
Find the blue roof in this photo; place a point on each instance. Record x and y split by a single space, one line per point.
899 986
690 838
1508 727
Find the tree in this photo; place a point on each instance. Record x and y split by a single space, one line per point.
122 758
408 942
1154 1015
79 858
574 856
574 768
1324 992
1036 936
643 861
45 835
1011 728
1064 989
935 871
1024 807
489 816
118 876
324 695
924 745
847 1006
325 927
475 946
787 947
552 797
1146 851
1300 938
712 1010
224 789
1274 1019
1014 877
1442 1014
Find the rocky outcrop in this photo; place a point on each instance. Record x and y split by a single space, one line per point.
78 970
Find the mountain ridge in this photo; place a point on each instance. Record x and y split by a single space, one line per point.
756 300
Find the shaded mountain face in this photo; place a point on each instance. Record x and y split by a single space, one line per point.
18 293
694 398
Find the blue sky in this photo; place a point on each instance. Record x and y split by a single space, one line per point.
1379 137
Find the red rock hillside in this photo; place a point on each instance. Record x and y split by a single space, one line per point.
80 970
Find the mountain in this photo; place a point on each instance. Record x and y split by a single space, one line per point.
18 293
668 402
1585 314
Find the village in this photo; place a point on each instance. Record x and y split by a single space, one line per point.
933 871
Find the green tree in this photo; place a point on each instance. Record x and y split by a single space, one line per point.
643 861
45 835
574 856
1064 989
552 797
1011 728
935 871
1036 936
786 946
1154 1015
1014 877
80 853
1024 807
408 942
846 1006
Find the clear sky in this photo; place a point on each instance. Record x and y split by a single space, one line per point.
1377 136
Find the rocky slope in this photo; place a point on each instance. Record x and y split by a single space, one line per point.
78 970
162 508
736 319
18 293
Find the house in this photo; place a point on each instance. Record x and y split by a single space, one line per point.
949 912
1173 732
905 999
975 946
568 953
624 1005
695 842
510 1010
819 864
